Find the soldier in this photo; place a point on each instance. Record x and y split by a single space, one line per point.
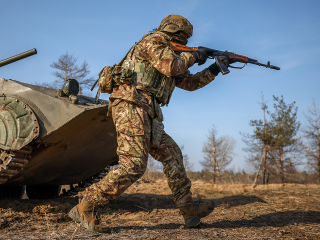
150 72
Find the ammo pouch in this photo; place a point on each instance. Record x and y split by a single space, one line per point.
120 75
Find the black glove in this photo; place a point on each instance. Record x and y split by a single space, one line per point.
226 60
214 69
200 55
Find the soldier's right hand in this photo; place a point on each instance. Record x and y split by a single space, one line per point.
226 60
200 55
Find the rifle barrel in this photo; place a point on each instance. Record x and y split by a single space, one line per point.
18 57
253 61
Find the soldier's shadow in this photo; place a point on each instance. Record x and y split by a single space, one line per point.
148 202
278 219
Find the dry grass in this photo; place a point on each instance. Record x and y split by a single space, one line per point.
147 211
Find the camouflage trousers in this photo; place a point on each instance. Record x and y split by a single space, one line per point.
133 126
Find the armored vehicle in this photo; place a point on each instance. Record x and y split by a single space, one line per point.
50 138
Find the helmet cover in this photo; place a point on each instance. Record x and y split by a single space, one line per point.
175 23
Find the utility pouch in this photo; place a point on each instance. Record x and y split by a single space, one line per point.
105 80
157 129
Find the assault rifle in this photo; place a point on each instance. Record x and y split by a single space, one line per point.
212 53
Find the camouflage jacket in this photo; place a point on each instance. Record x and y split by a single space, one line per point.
154 70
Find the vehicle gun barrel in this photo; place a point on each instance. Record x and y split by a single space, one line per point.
18 57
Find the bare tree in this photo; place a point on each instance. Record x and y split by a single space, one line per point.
311 134
226 151
186 161
67 68
218 153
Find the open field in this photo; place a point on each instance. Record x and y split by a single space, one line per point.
147 211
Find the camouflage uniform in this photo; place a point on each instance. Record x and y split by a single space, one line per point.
151 72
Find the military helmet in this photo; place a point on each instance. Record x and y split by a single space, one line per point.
175 23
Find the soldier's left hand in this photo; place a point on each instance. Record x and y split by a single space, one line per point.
200 55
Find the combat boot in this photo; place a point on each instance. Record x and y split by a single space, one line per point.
193 212
84 213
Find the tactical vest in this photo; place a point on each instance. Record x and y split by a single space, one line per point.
145 77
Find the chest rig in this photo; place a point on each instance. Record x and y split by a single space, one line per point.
142 75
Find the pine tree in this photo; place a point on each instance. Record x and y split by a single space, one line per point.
273 139
284 128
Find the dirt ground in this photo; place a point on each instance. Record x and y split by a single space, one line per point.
147 211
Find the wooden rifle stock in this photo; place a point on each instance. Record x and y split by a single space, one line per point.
176 47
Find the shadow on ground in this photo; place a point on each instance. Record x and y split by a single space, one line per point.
128 202
148 202
279 219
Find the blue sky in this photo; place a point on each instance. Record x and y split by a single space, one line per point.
101 32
